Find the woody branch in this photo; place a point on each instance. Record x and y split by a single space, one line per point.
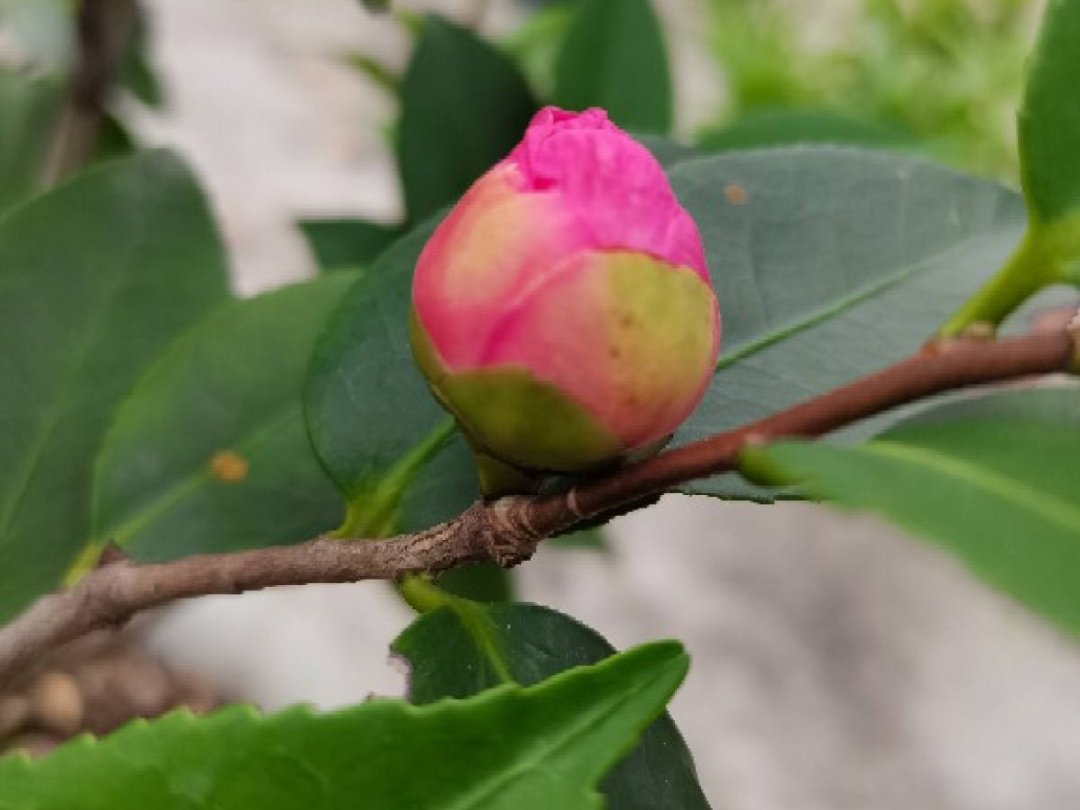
508 530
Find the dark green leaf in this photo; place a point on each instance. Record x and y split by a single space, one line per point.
440 487
113 140
508 749
136 72
95 278
387 444
141 80
830 263
482 582
210 453
347 244
464 105
467 648
783 127
613 56
1049 122
997 484
29 108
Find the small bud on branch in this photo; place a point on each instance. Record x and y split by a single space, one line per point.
563 310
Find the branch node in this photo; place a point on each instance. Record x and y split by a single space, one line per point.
111 554
510 537
509 529
755 439
572 504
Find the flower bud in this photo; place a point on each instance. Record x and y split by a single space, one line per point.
563 311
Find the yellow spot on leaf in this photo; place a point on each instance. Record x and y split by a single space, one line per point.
228 466
736 194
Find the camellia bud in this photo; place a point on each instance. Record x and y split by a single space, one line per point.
562 311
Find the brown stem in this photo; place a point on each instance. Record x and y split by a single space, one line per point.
508 530
118 588
941 366
103 31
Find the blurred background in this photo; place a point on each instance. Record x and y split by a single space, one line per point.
836 664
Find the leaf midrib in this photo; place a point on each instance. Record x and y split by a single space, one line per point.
926 265
481 629
538 755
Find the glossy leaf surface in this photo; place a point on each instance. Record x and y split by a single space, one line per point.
613 56
464 105
830 263
210 453
96 277
467 648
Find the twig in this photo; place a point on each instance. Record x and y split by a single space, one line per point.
508 530
103 31
941 366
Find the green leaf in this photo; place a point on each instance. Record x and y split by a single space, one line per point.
96 277
481 582
29 108
464 105
210 452
784 127
830 263
1049 120
139 77
347 244
113 141
137 74
509 748
613 56
994 483
389 447
467 648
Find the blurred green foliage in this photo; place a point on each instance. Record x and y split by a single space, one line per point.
947 71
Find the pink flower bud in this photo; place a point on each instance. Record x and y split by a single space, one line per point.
563 310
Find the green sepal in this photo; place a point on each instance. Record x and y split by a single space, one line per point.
497 478
515 419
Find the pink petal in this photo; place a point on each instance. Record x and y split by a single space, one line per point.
639 363
610 183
